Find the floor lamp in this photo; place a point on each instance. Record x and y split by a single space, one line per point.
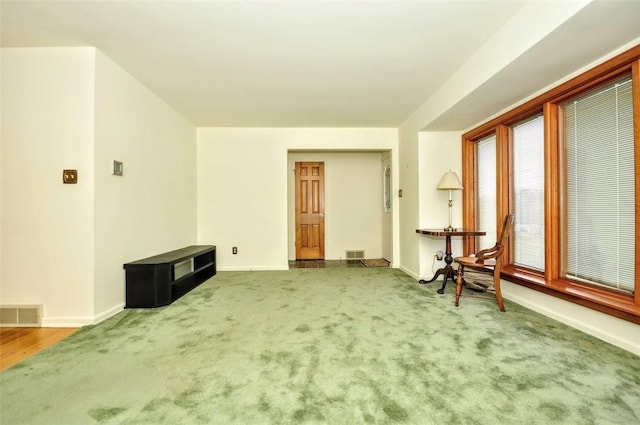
450 181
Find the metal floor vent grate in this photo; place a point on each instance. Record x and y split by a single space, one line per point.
356 254
27 316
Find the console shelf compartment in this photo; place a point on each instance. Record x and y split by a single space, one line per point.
153 281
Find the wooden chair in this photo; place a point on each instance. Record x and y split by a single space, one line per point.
480 272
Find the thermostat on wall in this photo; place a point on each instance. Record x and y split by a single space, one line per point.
118 168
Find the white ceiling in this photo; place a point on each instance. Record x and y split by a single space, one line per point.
314 63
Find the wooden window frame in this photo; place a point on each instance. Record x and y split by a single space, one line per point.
622 305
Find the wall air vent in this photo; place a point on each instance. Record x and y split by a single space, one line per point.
21 316
355 254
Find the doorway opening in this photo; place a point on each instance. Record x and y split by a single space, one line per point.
357 216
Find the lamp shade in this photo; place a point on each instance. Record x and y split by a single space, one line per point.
450 181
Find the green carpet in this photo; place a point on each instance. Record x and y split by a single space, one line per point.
324 346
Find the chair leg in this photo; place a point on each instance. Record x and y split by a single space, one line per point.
498 291
459 283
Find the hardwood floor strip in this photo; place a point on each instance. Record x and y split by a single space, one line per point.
11 334
16 344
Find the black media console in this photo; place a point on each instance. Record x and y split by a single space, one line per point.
162 279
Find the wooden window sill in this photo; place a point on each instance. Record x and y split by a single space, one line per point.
605 301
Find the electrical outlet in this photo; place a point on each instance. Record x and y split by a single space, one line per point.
234 250
70 176
439 255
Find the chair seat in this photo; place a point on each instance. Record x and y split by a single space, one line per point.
473 262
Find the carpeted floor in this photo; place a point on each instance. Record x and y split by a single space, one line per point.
324 346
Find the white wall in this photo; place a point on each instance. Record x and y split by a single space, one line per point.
243 186
1 167
152 207
353 202
438 153
408 204
63 246
47 226
424 206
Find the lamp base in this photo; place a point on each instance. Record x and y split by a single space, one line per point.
450 229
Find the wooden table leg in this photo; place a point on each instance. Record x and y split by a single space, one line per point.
447 271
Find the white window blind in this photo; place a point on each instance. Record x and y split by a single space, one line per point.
486 178
528 188
600 220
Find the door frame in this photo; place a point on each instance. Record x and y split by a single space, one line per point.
319 155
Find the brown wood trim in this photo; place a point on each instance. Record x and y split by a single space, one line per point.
469 206
610 69
503 189
552 187
635 70
617 305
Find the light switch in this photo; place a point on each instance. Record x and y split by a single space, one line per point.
118 168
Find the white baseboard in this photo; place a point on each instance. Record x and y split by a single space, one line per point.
78 322
108 313
251 268
66 322
618 332
411 273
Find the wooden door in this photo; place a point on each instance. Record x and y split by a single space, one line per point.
309 210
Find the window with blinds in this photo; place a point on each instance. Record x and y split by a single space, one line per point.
598 149
486 184
527 138
565 163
